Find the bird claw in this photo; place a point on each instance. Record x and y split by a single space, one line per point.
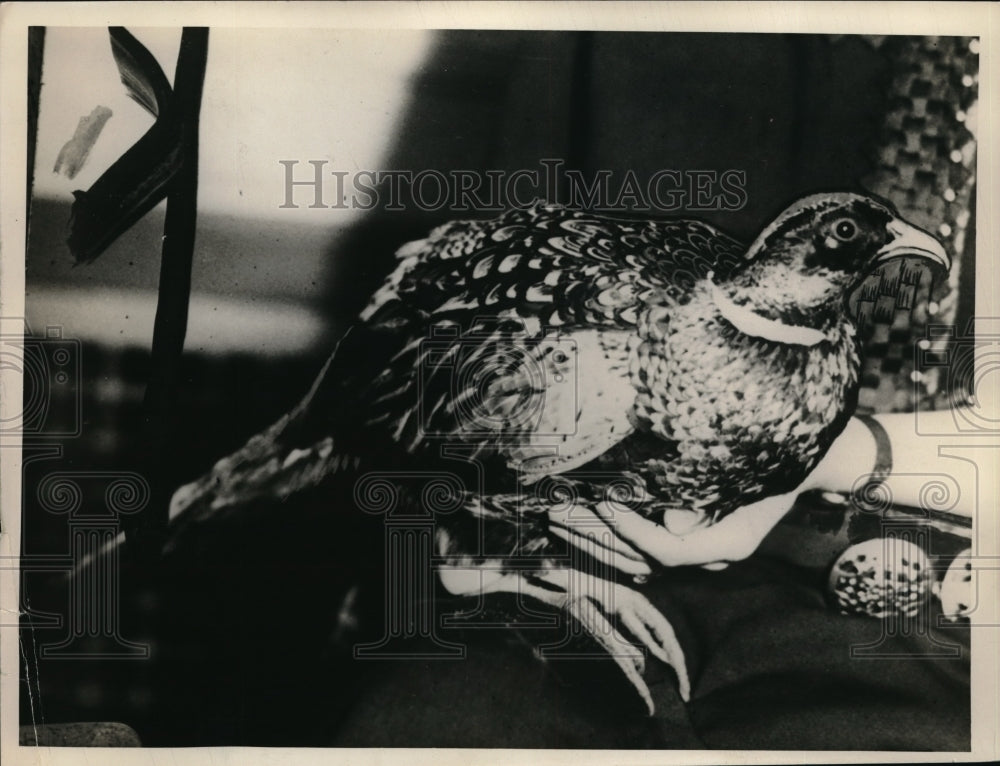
627 656
644 622
594 603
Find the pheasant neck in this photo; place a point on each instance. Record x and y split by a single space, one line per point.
751 323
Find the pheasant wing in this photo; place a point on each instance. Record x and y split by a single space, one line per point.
515 334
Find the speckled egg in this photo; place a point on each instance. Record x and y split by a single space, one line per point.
956 590
882 577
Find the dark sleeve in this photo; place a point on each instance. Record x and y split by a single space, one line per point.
772 667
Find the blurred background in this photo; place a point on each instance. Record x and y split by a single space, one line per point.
273 287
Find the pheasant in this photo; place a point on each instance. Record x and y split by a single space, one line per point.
565 357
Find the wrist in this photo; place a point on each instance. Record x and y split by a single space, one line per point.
855 453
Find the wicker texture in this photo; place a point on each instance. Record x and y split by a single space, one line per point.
925 165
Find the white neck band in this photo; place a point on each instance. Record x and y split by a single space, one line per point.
750 323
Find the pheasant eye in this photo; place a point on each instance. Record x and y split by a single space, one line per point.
845 229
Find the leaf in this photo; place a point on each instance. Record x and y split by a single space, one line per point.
141 177
127 190
140 72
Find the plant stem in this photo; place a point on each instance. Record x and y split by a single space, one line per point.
170 326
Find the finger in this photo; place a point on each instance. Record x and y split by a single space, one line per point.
587 523
731 539
657 542
608 556
722 542
574 514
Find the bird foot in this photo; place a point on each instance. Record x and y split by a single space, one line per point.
597 605
607 602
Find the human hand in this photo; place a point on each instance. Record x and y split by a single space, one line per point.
634 545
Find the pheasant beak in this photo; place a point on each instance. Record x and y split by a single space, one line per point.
908 240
